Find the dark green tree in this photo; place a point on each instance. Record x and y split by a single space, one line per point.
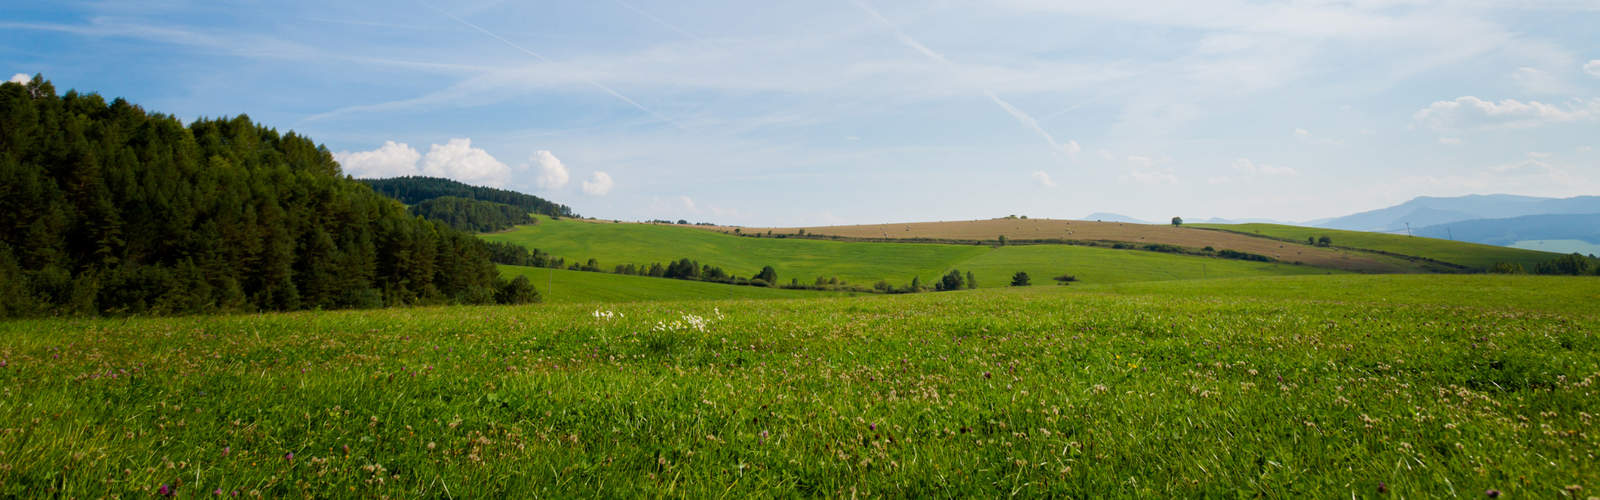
951 281
972 281
1177 221
1020 279
767 274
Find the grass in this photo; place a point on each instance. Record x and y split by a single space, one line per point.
1275 391
1471 255
646 244
855 262
1031 229
563 286
1101 266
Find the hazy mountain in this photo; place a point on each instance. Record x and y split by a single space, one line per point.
1427 210
1504 232
1109 217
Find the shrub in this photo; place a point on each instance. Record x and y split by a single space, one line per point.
1506 268
1021 279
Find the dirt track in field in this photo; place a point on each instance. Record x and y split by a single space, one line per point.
1028 229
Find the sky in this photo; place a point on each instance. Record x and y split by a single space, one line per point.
864 111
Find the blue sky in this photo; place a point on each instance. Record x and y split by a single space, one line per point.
854 111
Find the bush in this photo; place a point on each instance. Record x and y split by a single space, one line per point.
1065 278
1506 268
1021 279
1567 265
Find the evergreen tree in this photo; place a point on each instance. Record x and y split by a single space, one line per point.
1020 279
972 281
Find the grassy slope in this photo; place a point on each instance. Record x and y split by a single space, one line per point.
579 286
1566 295
1045 392
645 244
1456 252
862 263
1101 265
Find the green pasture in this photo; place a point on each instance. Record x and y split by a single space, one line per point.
858 263
1102 265
1576 295
1471 255
563 286
854 262
1102 391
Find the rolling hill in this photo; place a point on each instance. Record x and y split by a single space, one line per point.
1471 255
1029 229
864 263
1426 211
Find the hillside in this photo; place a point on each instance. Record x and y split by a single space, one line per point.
1427 211
865 263
417 189
1472 255
106 209
560 286
1027 229
1507 232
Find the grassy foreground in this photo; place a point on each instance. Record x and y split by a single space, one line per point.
1047 391
560 286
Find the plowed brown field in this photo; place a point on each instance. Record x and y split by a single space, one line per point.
1029 229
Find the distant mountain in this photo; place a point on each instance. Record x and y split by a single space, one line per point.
1109 217
1505 232
1426 211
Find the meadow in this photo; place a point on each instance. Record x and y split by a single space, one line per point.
860 263
562 286
1151 390
1472 255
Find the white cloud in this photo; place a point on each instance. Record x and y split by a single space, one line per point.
1593 68
552 174
1366 131
1107 155
1302 133
24 79
688 203
1584 149
1151 178
1044 179
1538 155
1469 111
458 160
1450 141
1246 165
598 185
389 160
1140 162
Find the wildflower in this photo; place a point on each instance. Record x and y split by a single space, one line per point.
289 456
218 492
347 449
874 427
986 375
1492 493
1382 488
225 450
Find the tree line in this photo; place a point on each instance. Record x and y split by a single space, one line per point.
1574 264
108 209
417 189
471 215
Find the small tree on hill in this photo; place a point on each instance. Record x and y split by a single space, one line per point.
1324 241
1021 279
1177 221
916 284
950 282
516 291
1065 278
768 275
1002 240
972 281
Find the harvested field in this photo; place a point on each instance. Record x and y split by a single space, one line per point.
1029 229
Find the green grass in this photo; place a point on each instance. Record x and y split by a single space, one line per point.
1567 295
1101 265
563 286
1072 392
1471 255
859 263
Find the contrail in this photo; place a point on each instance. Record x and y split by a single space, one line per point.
556 64
1071 148
1027 121
675 28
